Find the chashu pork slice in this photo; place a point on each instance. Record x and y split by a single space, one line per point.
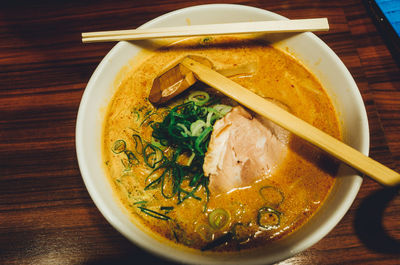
243 149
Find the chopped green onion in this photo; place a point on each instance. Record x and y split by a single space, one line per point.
197 127
273 196
209 116
185 132
199 97
189 194
148 115
195 179
138 143
268 218
200 140
190 160
152 155
167 209
168 177
154 183
154 213
218 218
131 158
140 202
137 114
119 146
157 144
222 109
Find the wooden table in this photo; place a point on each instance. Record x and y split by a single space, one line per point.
46 214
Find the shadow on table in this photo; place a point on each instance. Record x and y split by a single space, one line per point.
369 222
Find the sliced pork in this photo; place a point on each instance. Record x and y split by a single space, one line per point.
243 149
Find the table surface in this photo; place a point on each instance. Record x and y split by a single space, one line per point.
46 214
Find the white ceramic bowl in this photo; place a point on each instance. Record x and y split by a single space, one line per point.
310 50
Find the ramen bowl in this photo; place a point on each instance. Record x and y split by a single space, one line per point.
309 50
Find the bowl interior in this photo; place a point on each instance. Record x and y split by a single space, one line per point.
309 49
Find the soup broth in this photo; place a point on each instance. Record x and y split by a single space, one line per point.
270 208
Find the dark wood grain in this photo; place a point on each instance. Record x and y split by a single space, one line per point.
46 214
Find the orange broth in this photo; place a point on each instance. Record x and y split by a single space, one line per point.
296 190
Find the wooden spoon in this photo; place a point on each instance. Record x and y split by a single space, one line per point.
336 148
177 78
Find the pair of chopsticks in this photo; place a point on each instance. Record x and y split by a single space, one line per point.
275 26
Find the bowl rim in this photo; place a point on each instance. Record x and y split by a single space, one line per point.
95 194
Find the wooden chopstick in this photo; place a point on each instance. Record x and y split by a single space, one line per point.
295 25
336 148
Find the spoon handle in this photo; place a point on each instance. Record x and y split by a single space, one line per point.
331 145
